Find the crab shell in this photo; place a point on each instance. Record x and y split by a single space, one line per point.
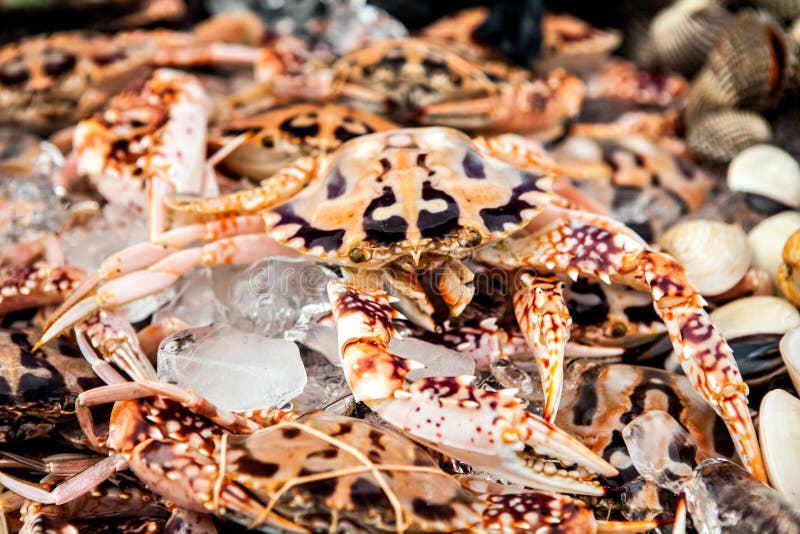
408 192
281 135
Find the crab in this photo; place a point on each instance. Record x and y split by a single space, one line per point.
391 206
302 474
50 82
419 81
298 474
147 145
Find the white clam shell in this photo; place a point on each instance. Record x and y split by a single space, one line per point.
755 315
768 171
779 434
768 237
716 255
790 352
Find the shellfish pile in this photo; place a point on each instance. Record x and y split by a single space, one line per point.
324 274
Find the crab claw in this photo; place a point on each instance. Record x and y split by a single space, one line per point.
489 429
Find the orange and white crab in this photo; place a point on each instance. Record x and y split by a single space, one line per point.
419 81
389 206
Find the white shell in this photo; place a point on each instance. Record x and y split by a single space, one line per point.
779 434
768 171
756 315
768 237
790 352
716 255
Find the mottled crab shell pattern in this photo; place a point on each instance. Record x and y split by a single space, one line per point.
430 502
408 192
413 73
38 388
281 135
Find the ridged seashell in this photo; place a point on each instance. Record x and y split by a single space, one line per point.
684 33
749 67
768 238
755 315
716 255
766 171
721 135
779 419
789 269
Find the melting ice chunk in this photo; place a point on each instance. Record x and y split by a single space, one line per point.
274 294
660 449
88 245
195 303
235 370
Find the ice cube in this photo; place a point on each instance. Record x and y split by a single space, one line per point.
438 360
318 337
326 384
195 302
661 449
235 370
115 228
29 204
274 294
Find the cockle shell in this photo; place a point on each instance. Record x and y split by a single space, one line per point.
768 238
755 315
720 135
766 171
749 67
716 255
779 434
684 33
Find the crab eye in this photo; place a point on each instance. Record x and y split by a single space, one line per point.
57 62
357 255
268 141
14 72
470 238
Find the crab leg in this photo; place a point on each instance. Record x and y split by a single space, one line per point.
485 428
71 489
272 191
530 155
544 319
236 250
590 246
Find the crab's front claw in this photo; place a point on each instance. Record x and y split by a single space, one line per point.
490 430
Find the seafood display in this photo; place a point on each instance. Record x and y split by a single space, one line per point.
301 272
